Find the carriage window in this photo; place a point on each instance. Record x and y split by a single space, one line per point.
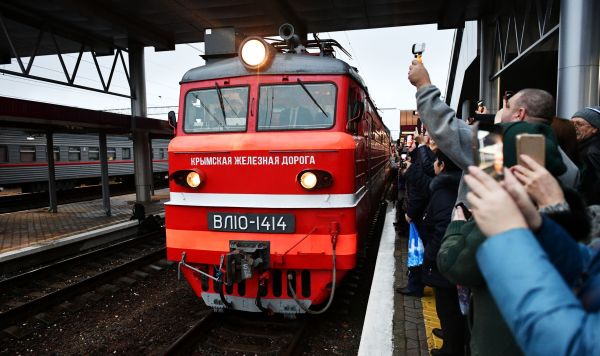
27 153
3 154
126 153
94 154
161 153
56 153
74 153
290 107
216 110
111 153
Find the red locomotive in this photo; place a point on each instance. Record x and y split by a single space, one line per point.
279 161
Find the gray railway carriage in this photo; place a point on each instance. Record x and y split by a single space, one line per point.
77 158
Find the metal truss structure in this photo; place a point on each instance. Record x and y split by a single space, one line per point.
25 70
525 27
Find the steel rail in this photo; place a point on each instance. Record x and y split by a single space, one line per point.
20 278
28 309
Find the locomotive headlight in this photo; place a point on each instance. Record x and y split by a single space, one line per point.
312 179
255 52
193 179
308 180
188 178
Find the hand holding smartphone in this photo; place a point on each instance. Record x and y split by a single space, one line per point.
533 145
466 212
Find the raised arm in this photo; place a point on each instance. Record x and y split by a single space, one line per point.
452 135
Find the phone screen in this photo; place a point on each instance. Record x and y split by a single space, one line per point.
487 149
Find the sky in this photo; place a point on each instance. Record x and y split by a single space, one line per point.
382 57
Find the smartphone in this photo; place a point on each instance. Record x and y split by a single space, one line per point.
465 210
533 145
486 144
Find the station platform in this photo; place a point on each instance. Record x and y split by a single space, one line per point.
396 324
36 228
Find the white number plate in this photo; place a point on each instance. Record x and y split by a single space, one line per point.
267 223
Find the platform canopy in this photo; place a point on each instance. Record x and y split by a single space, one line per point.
105 25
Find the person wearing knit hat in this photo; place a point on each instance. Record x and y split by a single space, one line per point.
587 127
587 122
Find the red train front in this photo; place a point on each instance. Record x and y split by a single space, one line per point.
277 164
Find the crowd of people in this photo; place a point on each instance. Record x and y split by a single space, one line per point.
513 262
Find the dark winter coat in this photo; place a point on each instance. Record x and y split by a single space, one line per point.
418 176
590 172
444 189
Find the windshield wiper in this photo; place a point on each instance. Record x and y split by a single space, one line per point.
312 97
221 102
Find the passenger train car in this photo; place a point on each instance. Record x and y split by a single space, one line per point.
278 164
77 160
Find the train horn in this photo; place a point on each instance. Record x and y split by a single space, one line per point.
286 31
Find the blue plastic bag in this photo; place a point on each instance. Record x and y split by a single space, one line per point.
415 247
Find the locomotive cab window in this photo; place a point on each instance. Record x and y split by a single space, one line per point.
27 153
216 110
296 107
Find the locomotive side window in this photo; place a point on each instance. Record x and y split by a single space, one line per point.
216 110
27 153
126 153
111 153
74 153
296 107
3 153
94 154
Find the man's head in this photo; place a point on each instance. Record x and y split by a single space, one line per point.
532 105
586 122
443 163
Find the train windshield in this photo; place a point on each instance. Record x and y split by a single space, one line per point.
296 106
216 110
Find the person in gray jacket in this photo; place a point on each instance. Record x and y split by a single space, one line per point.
453 135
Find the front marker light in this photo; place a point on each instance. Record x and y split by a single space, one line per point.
308 180
312 179
188 178
193 179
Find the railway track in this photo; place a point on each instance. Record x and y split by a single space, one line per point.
241 333
72 282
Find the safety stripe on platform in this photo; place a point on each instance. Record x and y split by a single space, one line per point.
431 319
377 333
